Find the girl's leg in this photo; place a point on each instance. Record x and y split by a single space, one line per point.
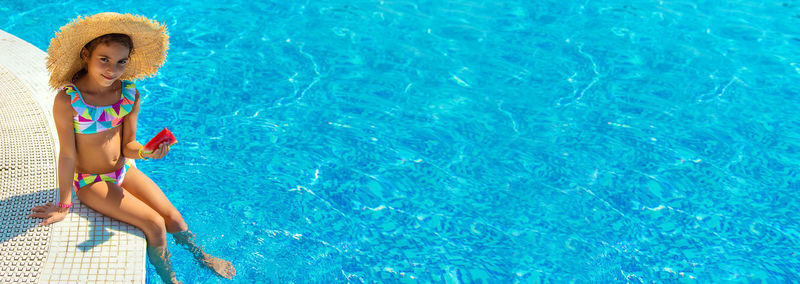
159 257
141 186
117 203
222 267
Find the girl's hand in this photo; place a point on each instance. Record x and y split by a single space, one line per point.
159 153
50 212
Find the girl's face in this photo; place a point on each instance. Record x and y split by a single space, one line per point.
107 63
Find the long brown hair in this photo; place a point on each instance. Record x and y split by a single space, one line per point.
106 39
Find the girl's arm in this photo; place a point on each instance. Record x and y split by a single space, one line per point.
130 147
62 114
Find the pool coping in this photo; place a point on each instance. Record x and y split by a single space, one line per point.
87 246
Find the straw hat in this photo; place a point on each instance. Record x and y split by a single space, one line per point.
150 44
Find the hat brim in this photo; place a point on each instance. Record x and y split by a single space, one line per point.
150 44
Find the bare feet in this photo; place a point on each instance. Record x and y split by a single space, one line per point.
222 267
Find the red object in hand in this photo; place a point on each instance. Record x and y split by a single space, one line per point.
163 136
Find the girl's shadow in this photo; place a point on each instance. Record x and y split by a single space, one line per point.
83 228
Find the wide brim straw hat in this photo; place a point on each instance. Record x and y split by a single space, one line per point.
150 44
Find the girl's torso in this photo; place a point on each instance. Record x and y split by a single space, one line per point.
99 151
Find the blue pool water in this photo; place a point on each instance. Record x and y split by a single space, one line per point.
475 141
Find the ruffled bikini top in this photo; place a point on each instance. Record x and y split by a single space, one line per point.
94 119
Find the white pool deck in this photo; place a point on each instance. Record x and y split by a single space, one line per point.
86 247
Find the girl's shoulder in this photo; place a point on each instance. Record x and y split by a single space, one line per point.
62 95
127 84
69 93
63 101
128 90
70 89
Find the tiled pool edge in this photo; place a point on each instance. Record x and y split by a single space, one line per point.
25 177
85 247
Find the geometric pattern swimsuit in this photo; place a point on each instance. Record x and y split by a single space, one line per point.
93 119
81 180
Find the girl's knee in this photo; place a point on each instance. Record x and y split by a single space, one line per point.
156 231
174 222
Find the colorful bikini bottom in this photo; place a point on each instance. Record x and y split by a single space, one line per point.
81 180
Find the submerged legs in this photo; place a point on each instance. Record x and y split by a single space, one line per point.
159 257
222 267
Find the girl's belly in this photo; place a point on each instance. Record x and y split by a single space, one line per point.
99 153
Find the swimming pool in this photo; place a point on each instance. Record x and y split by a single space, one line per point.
469 141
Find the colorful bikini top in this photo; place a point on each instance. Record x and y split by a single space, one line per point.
94 119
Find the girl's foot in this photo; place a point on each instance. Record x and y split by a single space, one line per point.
222 267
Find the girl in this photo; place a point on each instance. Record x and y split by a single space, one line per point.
91 62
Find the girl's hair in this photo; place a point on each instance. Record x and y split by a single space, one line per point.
106 39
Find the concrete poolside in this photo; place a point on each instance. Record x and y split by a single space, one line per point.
86 247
